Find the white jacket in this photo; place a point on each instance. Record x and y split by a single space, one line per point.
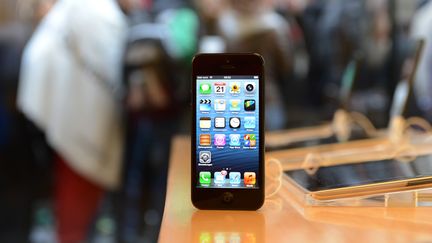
71 70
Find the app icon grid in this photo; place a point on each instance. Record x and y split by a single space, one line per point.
232 150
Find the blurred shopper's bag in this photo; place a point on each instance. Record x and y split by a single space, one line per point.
168 43
151 88
70 74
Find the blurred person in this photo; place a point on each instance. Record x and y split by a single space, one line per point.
376 45
332 30
70 87
254 26
375 82
25 174
337 31
209 11
34 11
157 77
421 28
377 42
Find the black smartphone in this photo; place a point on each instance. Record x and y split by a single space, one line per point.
227 131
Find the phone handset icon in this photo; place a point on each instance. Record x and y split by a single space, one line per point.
204 177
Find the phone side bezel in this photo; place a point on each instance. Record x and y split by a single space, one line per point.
370 189
228 64
377 188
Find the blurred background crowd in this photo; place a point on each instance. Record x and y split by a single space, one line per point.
92 92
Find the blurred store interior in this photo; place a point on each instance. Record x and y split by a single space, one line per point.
83 80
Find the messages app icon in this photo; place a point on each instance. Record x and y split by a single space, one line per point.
205 88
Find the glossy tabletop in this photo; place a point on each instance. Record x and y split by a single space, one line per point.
282 218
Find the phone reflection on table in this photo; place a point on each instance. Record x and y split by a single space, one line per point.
227 226
222 237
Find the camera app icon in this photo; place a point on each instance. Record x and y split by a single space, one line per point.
249 87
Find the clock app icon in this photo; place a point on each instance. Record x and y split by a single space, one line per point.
234 122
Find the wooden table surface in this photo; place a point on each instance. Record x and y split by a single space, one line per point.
282 218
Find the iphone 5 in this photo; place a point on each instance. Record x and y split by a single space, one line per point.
227 131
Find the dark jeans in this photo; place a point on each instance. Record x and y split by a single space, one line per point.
147 156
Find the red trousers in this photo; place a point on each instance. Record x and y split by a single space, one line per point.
76 203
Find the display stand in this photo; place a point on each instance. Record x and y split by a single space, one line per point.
415 198
405 148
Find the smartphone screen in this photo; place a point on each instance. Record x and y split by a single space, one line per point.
369 172
227 131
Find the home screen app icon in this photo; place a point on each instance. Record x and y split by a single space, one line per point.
219 177
235 178
235 105
220 105
205 157
205 88
234 139
219 139
249 140
205 139
250 122
235 88
249 105
205 177
234 122
205 105
219 122
220 87
205 122
249 178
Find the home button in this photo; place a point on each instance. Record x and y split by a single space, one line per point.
227 197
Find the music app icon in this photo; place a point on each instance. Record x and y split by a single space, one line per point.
249 178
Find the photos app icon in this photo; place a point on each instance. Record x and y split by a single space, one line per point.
235 88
